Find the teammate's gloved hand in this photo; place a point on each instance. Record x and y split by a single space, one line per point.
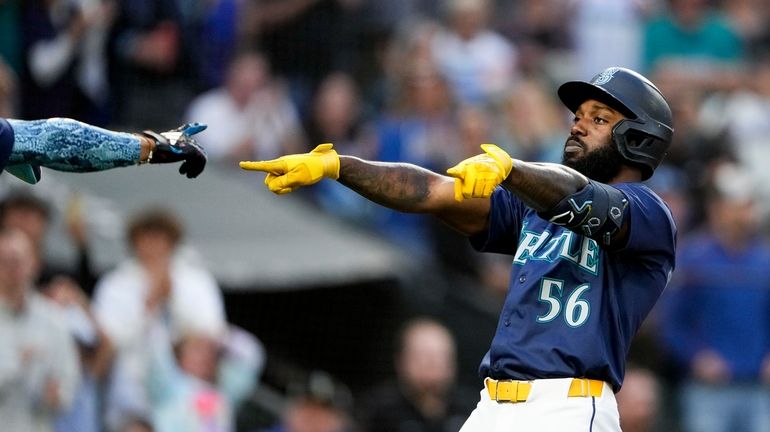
478 176
178 145
289 172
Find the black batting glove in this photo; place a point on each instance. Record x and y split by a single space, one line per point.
178 145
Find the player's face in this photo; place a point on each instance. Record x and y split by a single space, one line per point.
589 148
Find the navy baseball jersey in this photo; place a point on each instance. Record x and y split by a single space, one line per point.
6 142
573 307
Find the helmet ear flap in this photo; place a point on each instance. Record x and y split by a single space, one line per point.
639 146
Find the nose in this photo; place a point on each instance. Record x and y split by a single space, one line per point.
578 127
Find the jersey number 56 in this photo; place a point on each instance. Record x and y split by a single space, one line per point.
576 310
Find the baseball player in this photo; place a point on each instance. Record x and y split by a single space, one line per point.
69 145
592 248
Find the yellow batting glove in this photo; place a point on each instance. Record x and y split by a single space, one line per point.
478 176
290 172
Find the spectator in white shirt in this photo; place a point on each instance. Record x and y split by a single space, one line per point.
250 116
479 63
156 285
39 366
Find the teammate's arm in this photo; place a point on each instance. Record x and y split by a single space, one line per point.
69 145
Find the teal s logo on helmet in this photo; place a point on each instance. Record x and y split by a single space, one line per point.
605 76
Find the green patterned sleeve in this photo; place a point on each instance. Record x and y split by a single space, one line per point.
69 145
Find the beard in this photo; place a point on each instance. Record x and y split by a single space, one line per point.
602 164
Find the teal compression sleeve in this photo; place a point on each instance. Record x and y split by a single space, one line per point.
69 145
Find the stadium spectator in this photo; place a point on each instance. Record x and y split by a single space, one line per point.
421 128
154 68
95 353
220 36
531 123
424 396
157 283
638 404
197 382
313 415
749 19
30 213
477 61
715 322
338 116
452 251
304 40
39 369
742 117
539 29
181 383
250 115
691 44
593 21
65 63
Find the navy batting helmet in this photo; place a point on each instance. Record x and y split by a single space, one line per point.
644 136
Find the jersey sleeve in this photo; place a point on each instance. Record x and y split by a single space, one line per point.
652 227
6 142
503 226
68 145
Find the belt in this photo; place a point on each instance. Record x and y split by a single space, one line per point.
518 391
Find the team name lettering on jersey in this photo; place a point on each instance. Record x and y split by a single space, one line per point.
568 245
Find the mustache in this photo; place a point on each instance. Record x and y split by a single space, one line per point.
575 139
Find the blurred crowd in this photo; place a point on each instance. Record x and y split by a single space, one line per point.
148 347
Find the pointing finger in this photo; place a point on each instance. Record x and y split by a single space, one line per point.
273 166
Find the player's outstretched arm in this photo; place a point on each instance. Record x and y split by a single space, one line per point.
403 187
69 145
413 189
540 185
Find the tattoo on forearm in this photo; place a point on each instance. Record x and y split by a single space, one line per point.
398 186
542 185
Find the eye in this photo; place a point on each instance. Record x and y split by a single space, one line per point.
600 120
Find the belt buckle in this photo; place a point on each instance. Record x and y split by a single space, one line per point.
584 391
514 383
497 391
